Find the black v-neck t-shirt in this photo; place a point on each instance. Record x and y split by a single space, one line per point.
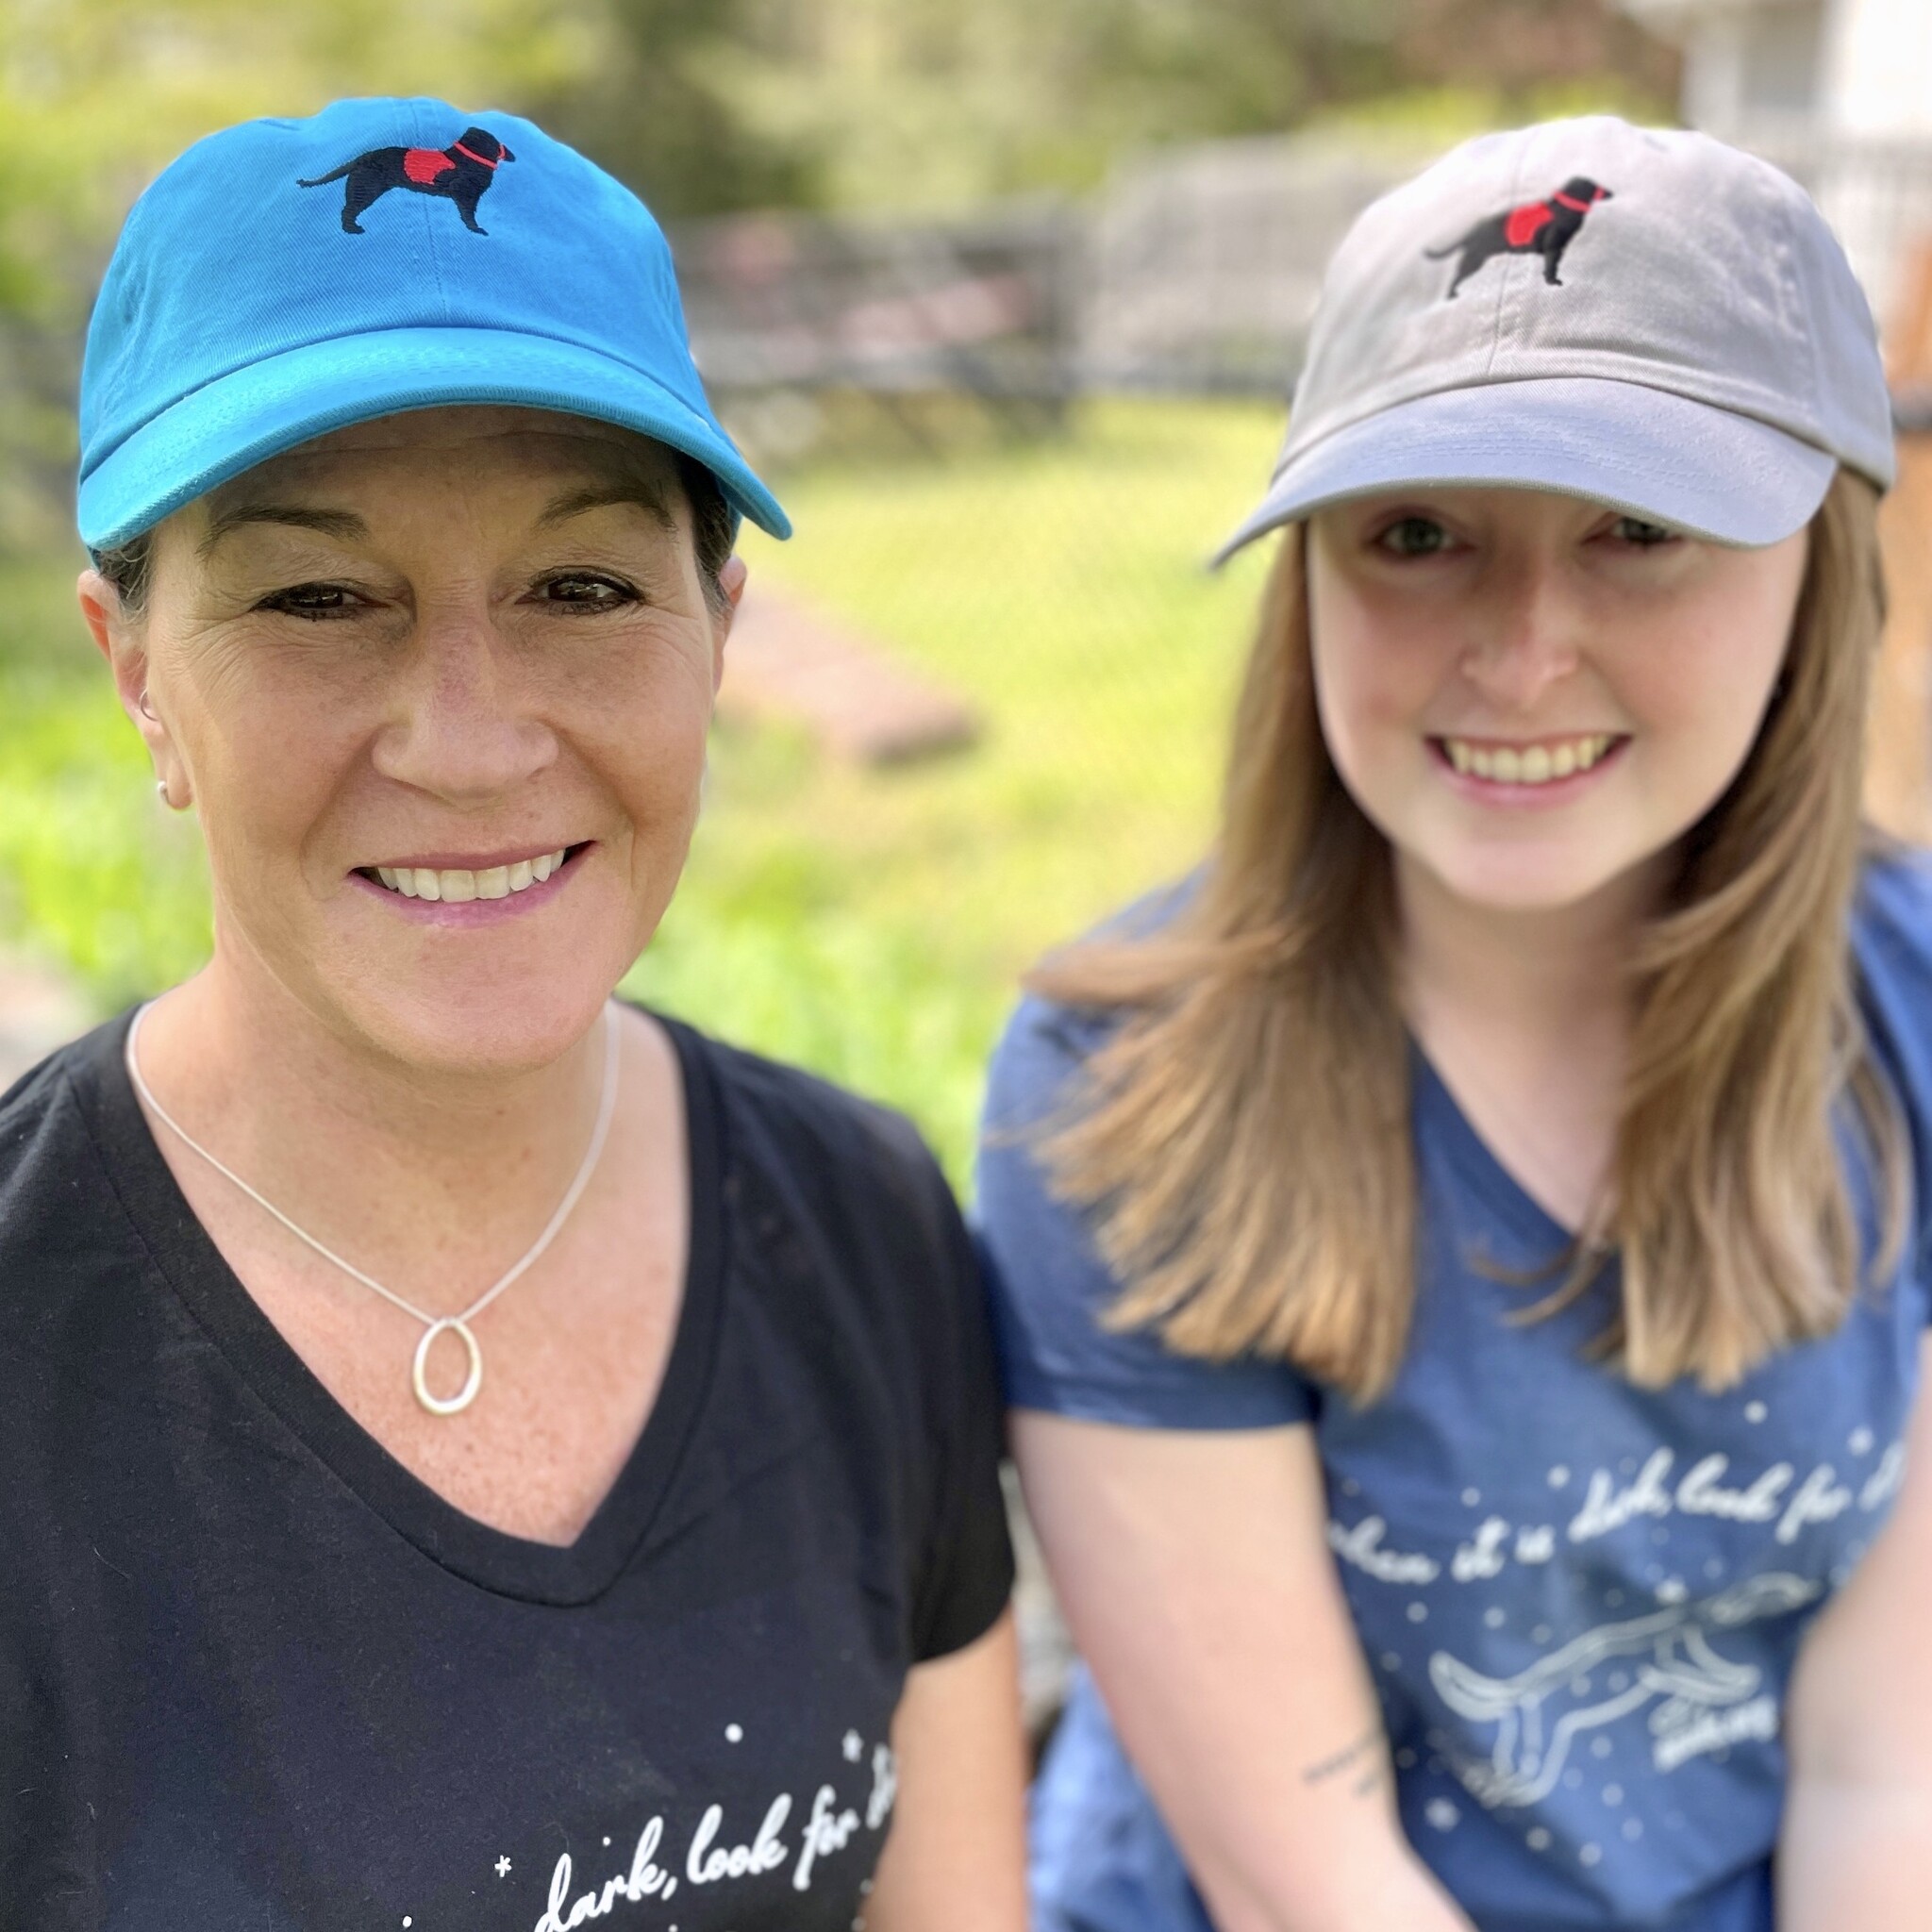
255 1676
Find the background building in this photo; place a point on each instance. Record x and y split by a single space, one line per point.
1837 91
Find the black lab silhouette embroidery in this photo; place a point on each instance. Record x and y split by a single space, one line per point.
458 172
1534 227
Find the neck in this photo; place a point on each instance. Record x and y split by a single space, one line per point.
1546 968
1527 1015
438 1174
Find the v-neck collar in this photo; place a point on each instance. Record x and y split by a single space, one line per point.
1476 1162
256 1351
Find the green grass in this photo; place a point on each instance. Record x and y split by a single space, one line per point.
867 924
93 875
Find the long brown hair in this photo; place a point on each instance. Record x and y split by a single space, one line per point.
1241 1141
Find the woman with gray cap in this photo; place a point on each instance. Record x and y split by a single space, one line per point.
1462 1255
476 1453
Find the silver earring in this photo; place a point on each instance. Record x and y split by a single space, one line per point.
161 792
147 710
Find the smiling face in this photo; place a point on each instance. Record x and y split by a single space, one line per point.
399 671
1530 695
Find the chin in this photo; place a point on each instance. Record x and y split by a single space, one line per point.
515 1026
477 1000
1523 880
494 1017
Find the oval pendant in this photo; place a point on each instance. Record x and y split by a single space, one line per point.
471 1382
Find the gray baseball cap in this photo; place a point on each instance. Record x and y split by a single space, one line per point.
1643 317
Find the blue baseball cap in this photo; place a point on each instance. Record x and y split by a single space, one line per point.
284 278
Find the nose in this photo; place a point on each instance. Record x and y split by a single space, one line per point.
1527 640
461 726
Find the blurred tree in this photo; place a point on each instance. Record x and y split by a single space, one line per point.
95 95
940 103
708 105
1524 48
660 107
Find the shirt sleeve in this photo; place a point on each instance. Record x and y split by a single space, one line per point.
1049 1285
966 1575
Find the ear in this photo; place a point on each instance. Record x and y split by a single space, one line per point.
123 642
731 580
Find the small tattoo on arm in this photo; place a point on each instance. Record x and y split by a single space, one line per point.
1326 1768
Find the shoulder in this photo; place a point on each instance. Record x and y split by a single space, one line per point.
1047 1043
46 1150
1891 951
73 1315
855 1298
1036 1067
792 1131
834 1208
1052 1289
1892 916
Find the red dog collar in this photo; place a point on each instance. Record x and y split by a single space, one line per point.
476 156
1581 208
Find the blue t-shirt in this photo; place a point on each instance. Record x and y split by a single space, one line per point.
1580 1600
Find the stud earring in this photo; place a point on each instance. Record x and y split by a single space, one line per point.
161 792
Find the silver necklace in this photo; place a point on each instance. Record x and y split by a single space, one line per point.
433 1326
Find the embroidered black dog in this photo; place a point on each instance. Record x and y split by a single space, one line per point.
1535 227
458 172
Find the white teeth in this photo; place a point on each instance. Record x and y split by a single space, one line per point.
1534 764
456 886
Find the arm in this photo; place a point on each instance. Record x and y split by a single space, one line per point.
955 1859
1858 1810
1195 1570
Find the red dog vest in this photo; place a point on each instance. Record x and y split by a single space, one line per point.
425 163
1526 223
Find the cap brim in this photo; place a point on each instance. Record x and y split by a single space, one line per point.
1706 472
258 412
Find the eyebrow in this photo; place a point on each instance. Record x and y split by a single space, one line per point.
330 523
575 502
347 525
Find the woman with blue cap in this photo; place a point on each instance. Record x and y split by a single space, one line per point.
478 1454
1465 1255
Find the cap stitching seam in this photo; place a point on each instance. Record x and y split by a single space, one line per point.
1518 176
1791 287
428 225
